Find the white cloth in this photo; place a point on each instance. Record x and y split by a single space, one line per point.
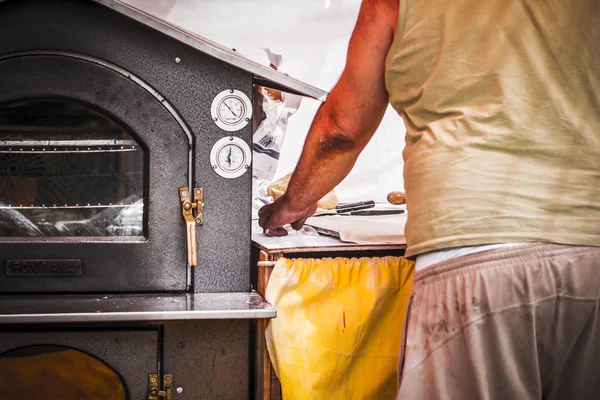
425 260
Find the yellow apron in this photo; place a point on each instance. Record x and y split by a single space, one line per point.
338 327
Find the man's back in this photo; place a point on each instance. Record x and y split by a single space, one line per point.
502 105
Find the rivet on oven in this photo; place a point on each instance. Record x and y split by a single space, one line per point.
214 167
197 191
246 166
230 138
179 390
230 90
247 119
184 193
177 60
216 119
167 378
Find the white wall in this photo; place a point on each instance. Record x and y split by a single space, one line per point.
312 36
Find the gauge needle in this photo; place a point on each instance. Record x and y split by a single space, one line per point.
234 114
229 156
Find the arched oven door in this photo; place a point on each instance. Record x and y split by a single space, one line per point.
91 159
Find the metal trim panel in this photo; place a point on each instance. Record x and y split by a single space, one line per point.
217 51
54 309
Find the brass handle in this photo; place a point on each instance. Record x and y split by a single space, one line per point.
190 228
187 208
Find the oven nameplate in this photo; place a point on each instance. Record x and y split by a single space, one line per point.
73 267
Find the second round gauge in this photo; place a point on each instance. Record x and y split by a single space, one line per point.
230 157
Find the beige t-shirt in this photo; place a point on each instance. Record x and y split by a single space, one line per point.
501 100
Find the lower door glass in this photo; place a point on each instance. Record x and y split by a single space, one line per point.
56 372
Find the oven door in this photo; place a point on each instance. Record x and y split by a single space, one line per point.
91 160
89 364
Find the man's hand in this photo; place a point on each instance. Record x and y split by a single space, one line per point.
273 217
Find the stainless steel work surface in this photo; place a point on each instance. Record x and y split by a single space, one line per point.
139 307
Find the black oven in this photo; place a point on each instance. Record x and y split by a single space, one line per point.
125 205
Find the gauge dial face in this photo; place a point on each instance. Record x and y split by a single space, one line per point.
230 157
231 110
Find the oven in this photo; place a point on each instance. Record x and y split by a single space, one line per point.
125 205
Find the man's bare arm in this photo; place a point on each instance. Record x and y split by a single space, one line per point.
346 121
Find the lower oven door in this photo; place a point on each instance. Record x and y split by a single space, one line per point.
91 160
71 364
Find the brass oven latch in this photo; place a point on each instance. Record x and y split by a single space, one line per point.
154 392
188 206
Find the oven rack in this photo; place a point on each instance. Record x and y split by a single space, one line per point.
76 229
64 207
68 146
53 191
107 223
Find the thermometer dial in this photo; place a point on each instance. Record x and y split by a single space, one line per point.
230 157
231 110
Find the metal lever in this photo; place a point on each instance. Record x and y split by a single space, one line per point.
187 207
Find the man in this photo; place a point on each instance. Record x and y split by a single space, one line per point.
501 100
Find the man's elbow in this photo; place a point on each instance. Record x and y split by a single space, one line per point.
337 142
339 132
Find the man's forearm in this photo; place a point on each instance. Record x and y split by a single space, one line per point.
345 122
348 119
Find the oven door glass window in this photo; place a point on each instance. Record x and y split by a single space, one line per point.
56 372
67 170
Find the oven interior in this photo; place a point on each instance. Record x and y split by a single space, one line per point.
67 170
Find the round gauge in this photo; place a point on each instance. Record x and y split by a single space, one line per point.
230 157
231 110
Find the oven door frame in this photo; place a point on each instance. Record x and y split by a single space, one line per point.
156 262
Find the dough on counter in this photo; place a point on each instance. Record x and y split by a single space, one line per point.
278 188
396 198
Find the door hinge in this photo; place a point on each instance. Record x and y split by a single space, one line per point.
192 219
154 392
